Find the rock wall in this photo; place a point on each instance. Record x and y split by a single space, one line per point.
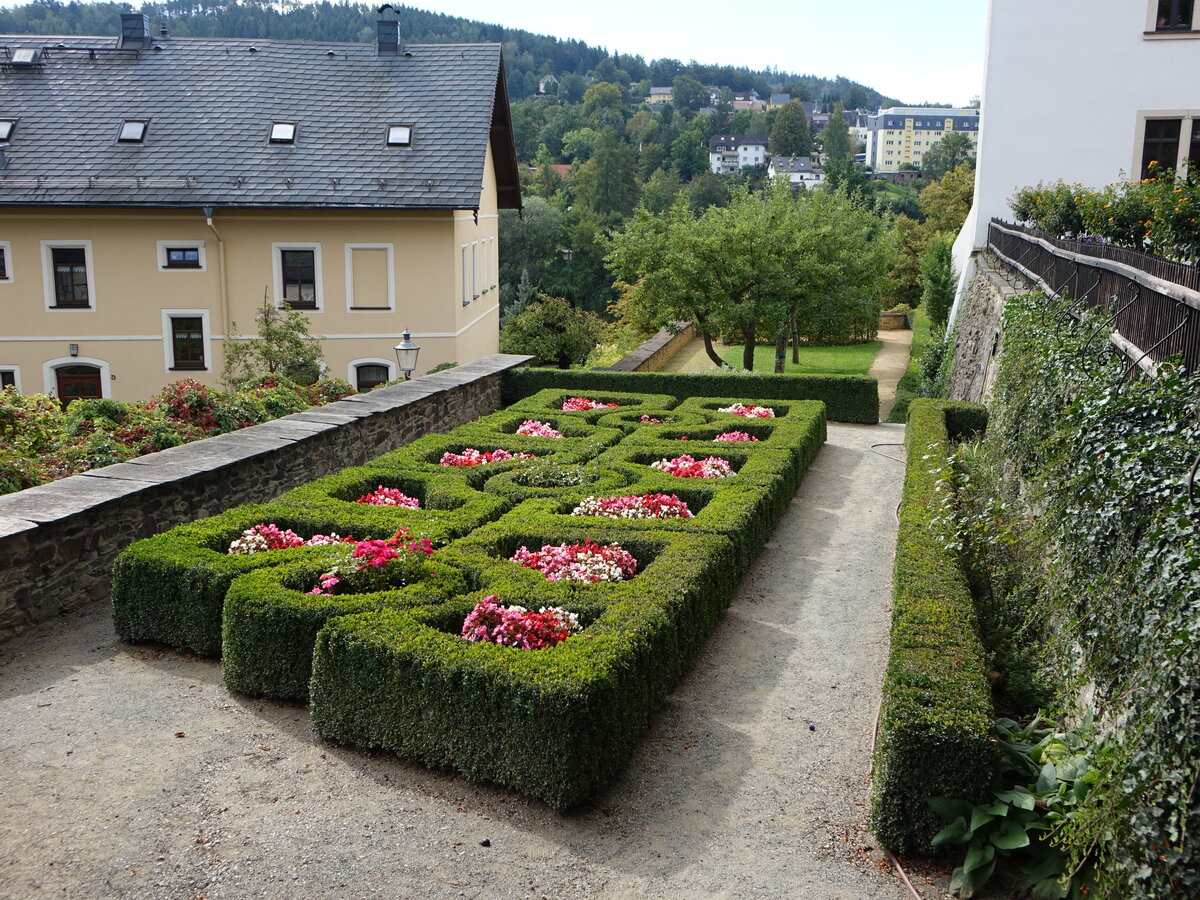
654 353
58 541
978 334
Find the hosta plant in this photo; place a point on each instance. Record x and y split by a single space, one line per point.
1045 771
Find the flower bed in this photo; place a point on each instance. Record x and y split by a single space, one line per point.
386 496
646 506
586 563
472 457
515 626
734 437
748 412
395 651
583 404
534 428
687 467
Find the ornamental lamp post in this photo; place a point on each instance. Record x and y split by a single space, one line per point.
406 354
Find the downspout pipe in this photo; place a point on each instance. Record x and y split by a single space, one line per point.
224 282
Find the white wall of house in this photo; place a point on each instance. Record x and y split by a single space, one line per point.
1067 88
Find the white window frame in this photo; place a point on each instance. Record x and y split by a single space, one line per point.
161 250
51 302
352 368
391 277
1188 120
465 275
277 249
495 264
475 270
1152 32
168 343
50 380
16 370
6 248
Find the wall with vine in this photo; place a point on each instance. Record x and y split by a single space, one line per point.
1096 465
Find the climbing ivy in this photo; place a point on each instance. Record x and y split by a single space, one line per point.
1097 459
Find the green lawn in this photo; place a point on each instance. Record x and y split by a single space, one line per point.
854 359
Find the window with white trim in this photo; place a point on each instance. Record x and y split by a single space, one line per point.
298 276
465 275
187 341
370 375
181 255
6 270
69 275
1168 140
475 270
9 378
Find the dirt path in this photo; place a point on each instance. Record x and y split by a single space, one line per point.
889 366
131 772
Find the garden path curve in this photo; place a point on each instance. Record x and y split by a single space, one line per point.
132 772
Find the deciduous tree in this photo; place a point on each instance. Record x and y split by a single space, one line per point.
791 135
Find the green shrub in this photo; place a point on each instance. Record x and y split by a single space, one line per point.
936 715
271 621
171 587
847 398
554 724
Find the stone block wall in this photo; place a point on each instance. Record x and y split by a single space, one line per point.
978 331
654 353
58 541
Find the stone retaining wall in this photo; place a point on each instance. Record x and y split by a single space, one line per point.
58 541
978 329
654 353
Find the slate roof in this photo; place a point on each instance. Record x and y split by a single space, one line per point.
719 142
797 164
210 105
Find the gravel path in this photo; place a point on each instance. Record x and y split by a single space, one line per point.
132 772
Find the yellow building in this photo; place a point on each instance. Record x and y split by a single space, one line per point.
153 191
900 137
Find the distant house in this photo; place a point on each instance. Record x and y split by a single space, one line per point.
155 188
727 153
661 95
798 169
778 100
749 100
547 84
901 135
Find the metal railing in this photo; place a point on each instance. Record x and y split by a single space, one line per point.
1152 304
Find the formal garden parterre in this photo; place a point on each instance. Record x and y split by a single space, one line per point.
499 620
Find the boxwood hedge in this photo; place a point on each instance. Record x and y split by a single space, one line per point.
389 668
936 716
848 398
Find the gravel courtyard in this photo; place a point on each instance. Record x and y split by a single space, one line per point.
132 772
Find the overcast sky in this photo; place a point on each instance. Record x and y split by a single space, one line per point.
927 50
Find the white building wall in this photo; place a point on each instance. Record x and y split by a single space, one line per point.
1064 84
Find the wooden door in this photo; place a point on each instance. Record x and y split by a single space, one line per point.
78 383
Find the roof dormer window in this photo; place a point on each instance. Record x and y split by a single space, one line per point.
283 133
399 136
133 131
7 126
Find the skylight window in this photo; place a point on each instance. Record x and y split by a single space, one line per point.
399 136
6 129
133 131
283 133
26 56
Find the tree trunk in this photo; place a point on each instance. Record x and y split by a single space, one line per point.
708 347
781 342
749 330
795 339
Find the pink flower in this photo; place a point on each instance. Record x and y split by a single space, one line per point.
385 496
364 570
516 626
472 457
749 412
687 467
734 436
583 404
534 428
588 562
647 506
263 537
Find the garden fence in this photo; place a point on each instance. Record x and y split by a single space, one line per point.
1152 304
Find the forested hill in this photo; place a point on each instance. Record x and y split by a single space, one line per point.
527 56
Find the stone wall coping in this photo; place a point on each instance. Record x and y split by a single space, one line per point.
636 360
